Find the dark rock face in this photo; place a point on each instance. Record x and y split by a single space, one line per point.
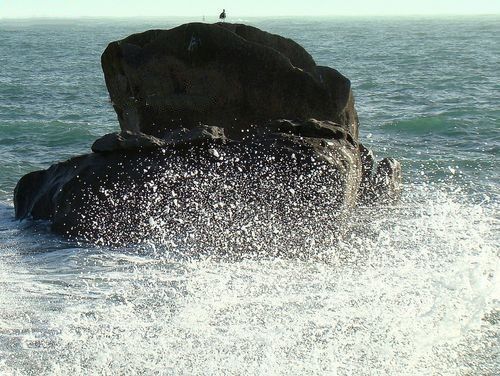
222 75
231 138
209 188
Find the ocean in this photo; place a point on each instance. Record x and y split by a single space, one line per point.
412 289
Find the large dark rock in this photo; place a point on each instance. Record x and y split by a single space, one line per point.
292 181
223 75
231 139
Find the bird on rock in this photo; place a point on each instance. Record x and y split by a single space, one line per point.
222 16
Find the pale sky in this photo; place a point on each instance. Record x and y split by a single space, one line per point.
241 8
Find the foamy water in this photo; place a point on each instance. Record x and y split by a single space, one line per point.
411 290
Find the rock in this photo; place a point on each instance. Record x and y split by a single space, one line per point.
297 55
367 166
312 128
137 141
231 139
126 140
387 182
383 186
223 75
222 193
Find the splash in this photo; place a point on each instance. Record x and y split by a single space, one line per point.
215 200
410 289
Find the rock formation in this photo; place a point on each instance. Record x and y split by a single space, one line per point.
229 136
224 75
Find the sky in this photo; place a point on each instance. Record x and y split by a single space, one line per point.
241 8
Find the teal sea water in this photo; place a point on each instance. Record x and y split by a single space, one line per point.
414 289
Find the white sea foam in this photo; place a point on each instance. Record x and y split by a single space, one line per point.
410 290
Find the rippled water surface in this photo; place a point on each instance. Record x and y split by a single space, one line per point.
409 289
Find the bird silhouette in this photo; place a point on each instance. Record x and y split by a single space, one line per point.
222 16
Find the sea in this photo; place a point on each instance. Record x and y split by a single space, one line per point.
412 288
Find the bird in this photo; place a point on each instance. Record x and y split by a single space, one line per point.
222 16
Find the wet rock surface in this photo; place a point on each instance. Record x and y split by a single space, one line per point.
264 180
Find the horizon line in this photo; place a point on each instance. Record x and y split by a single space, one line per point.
406 15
